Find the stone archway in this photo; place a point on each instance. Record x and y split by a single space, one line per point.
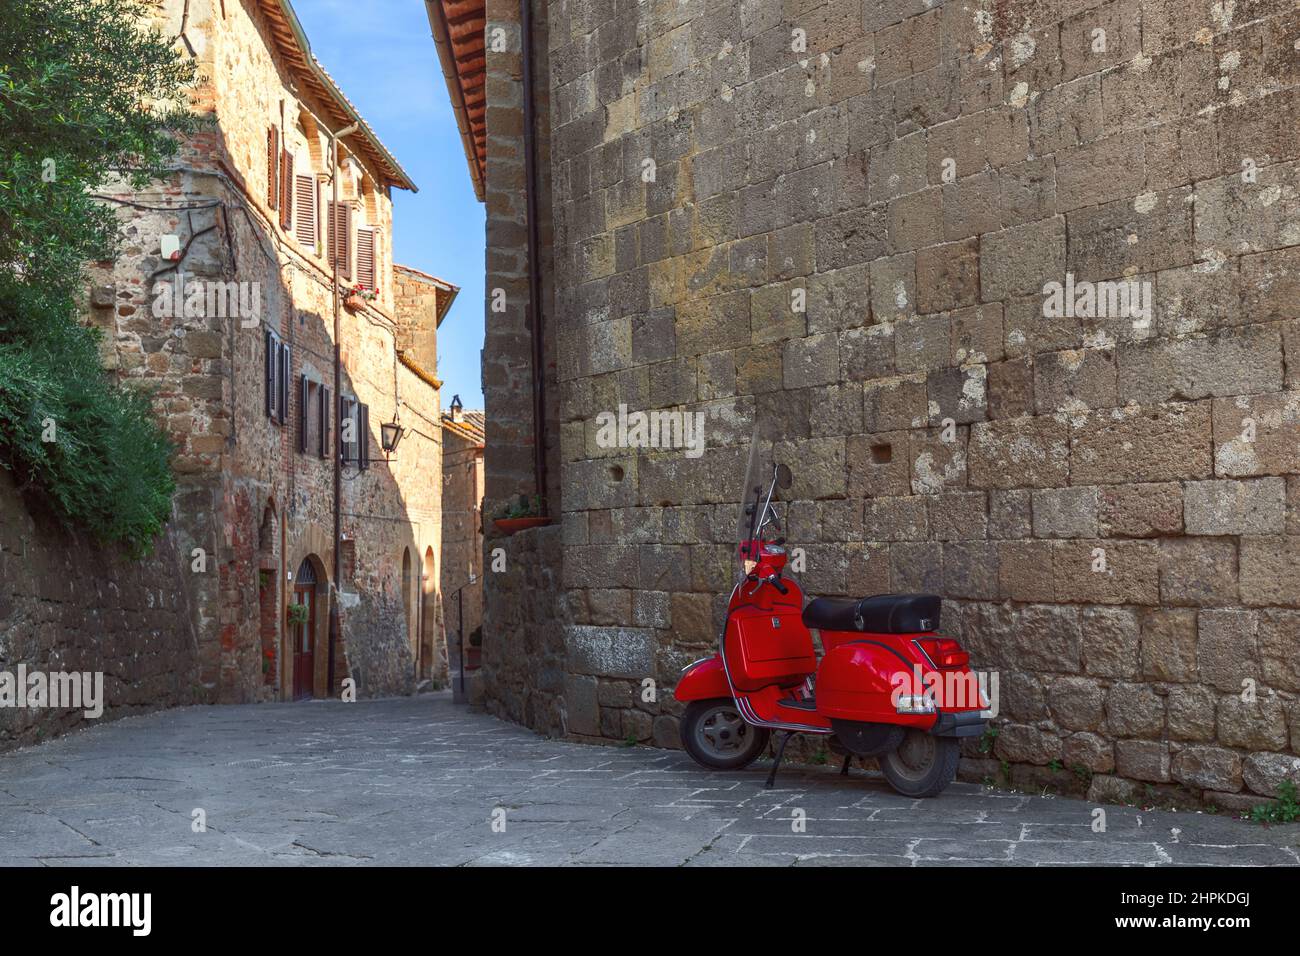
409 608
429 665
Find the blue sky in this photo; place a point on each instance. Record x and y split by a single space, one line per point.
382 54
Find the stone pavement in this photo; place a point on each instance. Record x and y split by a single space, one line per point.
419 781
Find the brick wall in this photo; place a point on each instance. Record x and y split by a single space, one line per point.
1108 502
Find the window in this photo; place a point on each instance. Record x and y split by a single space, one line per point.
340 237
305 187
313 417
278 363
354 432
286 189
272 166
366 258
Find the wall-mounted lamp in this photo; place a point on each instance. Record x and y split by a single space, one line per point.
390 435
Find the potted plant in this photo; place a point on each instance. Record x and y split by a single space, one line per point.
523 512
268 660
297 614
355 298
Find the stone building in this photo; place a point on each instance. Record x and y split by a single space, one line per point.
224 304
1013 285
463 444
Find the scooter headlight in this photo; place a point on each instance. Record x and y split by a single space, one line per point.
914 704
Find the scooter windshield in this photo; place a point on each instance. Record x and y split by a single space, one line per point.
760 498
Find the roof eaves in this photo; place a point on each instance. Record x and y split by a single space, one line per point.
396 174
474 144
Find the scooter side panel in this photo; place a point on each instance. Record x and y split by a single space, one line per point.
859 674
767 647
704 680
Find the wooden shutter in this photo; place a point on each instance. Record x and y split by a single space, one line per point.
363 436
366 258
286 189
272 166
344 415
303 418
306 190
272 368
340 237
286 364
324 449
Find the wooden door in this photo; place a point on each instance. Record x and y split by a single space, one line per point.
304 634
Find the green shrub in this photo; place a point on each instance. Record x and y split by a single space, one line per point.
80 84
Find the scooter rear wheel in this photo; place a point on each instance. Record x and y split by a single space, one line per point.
923 765
716 736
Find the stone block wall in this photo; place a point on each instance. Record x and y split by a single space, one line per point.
524 660
842 221
67 606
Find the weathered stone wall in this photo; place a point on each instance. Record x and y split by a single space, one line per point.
511 689
69 606
840 219
462 530
524 659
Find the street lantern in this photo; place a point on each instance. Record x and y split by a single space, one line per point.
390 435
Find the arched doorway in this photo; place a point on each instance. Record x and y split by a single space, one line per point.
408 599
428 615
303 630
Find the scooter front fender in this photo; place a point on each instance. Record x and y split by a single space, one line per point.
703 680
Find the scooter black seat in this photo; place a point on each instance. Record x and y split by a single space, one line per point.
879 614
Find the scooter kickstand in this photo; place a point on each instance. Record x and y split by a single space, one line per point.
844 770
780 752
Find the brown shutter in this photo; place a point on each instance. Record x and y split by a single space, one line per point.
344 414
340 237
286 189
324 449
272 368
303 390
286 369
363 436
306 190
272 166
366 258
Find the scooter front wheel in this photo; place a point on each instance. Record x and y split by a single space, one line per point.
923 765
716 736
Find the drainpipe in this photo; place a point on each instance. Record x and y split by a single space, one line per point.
534 273
332 243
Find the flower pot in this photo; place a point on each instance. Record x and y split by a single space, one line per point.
473 658
354 302
511 525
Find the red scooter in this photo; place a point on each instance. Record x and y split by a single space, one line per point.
886 686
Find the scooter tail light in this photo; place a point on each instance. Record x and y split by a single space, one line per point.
944 652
